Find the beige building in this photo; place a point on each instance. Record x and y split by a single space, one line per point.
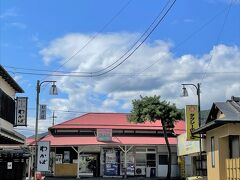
13 153
222 130
189 157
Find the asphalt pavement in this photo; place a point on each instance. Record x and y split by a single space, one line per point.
100 178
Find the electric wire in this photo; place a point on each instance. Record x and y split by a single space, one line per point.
138 40
169 8
94 36
94 74
218 38
148 67
128 74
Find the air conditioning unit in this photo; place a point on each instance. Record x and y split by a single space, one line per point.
140 170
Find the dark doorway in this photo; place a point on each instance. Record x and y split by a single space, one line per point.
12 169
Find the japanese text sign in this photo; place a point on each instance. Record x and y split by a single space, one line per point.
43 156
21 111
43 111
191 120
104 134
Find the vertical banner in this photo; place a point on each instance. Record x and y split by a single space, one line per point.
43 156
191 116
43 111
21 111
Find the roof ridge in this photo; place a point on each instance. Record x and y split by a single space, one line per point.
235 106
89 113
69 120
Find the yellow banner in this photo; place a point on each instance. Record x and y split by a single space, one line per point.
191 116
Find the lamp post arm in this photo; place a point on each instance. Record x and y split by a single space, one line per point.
39 84
46 81
191 85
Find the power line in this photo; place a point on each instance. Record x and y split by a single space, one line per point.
95 36
148 67
43 70
92 74
188 37
218 38
140 43
132 50
136 42
123 74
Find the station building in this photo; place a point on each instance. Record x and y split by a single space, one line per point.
107 145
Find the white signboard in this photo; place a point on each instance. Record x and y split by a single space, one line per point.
43 156
104 135
58 159
9 165
21 111
43 111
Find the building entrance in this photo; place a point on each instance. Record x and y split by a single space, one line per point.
89 165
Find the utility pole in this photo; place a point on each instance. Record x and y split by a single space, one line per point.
53 118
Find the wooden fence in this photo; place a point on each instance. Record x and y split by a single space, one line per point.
233 169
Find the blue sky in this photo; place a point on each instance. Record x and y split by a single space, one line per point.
43 34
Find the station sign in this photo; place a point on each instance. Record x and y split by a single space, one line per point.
104 135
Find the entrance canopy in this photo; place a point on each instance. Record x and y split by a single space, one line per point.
116 140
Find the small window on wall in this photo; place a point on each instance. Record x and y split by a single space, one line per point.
213 151
163 159
234 146
66 157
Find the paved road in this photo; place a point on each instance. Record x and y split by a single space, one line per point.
129 178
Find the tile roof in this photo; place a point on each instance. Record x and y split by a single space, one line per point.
113 121
4 74
92 140
230 111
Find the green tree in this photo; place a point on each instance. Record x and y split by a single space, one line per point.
152 109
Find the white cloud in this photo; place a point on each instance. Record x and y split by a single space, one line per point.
9 13
18 25
115 91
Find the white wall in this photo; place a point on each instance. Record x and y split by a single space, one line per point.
163 148
162 171
7 88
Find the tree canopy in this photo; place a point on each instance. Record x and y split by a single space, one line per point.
151 108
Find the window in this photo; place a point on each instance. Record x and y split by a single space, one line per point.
141 150
116 131
7 107
67 131
141 159
129 131
151 160
213 151
145 132
234 146
163 159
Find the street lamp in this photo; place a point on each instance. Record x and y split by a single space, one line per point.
185 94
53 91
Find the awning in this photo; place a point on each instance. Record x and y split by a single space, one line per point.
116 140
211 125
11 136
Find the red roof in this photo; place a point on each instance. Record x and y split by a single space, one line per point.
113 121
29 141
116 140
